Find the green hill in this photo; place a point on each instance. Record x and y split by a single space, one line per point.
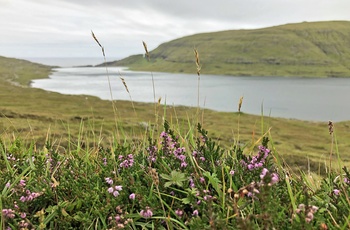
313 49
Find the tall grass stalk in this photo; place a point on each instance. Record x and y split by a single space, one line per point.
114 107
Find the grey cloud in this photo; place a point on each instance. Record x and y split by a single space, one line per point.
122 24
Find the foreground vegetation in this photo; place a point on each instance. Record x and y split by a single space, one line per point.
77 162
308 49
172 181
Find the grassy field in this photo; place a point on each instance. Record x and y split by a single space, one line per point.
78 162
35 115
312 49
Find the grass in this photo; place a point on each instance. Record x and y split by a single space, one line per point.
309 49
75 162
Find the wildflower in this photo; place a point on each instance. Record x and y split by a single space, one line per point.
336 192
115 193
109 180
194 153
115 190
232 172
263 173
132 196
23 215
202 159
179 212
202 180
146 213
274 178
309 217
8 213
191 183
183 164
104 161
195 213
22 183
7 185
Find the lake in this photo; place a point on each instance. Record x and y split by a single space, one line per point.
314 99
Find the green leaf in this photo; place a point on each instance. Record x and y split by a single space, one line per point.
175 177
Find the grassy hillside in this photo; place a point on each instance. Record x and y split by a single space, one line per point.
313 49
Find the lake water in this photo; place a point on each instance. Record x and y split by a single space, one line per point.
313 99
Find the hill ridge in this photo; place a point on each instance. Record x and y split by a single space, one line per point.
310 49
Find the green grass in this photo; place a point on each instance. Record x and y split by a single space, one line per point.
71 162
34 114
309 49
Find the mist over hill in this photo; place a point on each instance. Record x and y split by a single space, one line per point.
312 49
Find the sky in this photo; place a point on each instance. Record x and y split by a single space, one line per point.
62 28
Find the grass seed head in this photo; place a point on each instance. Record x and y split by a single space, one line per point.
146 50
196 55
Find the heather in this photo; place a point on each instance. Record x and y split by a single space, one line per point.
172 181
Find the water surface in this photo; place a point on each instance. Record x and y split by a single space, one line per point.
314 99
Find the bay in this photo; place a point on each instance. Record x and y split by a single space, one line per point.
313 99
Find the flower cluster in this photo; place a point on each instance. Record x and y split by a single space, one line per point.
126 162
273 176
171 146
8 213
152 153
29 196
309 211
113 189
119 220
146 213
257 161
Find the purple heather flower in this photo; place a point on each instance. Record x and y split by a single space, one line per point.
274 178
314 209
9 213
183 164
146 213
132 196
109 180
115 193
250 167
336 192
263 173
195 213
232 172
202 180
23 215
7 185
202 159
118 187
179 212
22 183
104 161
309 217
199 202
194 153
110 190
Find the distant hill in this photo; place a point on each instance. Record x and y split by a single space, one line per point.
18 71
313 49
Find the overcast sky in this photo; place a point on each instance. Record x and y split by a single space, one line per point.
62 28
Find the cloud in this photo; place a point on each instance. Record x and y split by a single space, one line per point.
62 27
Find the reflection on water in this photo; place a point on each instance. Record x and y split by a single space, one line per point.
317 99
